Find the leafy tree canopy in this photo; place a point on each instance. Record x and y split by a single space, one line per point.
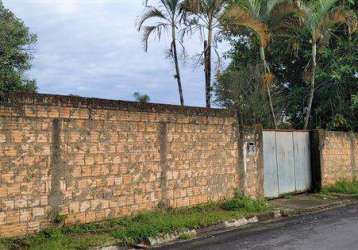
15 53
335 105
240 90
142 98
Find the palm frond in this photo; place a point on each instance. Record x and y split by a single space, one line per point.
273 5
149 30
193 6
281 10
255 7
342 16
237 17
304 12
191 26
183 50
151 12
280 16
319 10
171 5
267 79
335 17
216 6
208 7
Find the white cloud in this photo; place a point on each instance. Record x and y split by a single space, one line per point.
92 48
66 6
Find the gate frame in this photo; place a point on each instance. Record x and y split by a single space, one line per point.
251 184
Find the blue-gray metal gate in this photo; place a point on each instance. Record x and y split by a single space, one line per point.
287 167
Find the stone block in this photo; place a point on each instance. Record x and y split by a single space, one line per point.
3 192
38 211
13 229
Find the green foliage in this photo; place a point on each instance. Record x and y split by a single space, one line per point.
243 203
143 226
355 102
344 187
338 123
15 53
289 53
59 219
142 98
56 240
337 80
185 236
287 196
241 91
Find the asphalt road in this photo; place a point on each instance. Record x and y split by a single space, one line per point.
329 230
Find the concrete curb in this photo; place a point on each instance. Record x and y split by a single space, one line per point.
110 248
169 239
221 227
337 204
265 217
166 238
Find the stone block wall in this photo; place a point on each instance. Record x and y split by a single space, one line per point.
92 159
338 156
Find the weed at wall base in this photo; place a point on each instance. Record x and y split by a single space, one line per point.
139 228
343 187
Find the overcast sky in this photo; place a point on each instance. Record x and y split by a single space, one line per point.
92 48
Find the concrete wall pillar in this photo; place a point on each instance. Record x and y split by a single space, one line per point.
251 162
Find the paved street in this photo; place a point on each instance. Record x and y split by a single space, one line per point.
330 230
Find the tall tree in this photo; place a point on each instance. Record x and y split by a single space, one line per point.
240 90
336 80
288 54
16 43
262 17
168 16
206 15
319 17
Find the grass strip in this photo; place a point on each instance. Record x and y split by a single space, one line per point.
343 187
138 228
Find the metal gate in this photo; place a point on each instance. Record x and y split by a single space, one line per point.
287 167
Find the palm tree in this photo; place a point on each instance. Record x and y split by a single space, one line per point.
259 16
319 17
169 17
207 14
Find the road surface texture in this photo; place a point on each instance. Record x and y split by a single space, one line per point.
329 230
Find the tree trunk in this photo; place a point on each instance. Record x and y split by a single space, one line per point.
267 70
176 62
207 61
312 89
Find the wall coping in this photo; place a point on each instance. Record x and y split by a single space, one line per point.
347 133
19 98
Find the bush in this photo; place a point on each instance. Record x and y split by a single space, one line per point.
339 123
246 204
355 102
342 186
